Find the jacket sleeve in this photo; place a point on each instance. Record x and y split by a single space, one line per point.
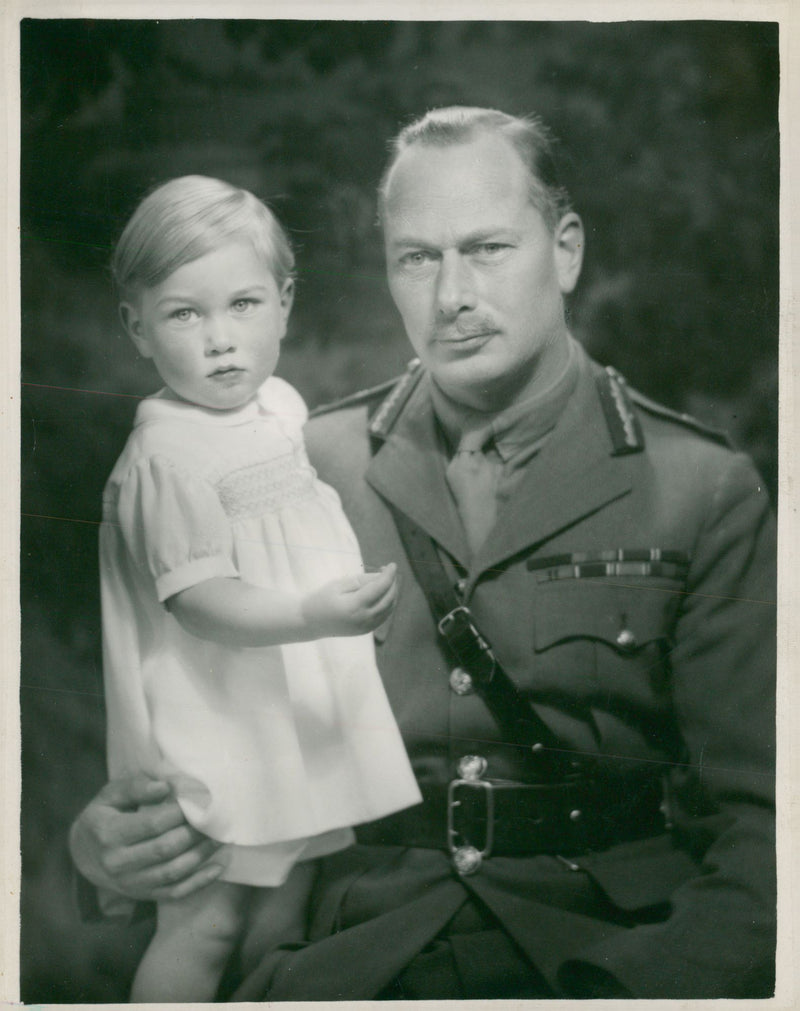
719 939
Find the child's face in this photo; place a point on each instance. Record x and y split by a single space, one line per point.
213 328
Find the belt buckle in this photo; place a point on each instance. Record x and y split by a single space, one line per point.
468 859
461 634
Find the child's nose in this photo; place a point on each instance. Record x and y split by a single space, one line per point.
218 338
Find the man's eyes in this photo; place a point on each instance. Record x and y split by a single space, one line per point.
416 258
490 249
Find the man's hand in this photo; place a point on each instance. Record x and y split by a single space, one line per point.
133 839
352 605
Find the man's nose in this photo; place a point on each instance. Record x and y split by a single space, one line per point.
218 338
455 290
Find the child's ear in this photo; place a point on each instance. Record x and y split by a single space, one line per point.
287 295
133 327
287 300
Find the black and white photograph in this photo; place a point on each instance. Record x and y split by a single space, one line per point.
399 482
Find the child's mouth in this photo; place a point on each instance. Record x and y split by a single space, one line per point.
229 372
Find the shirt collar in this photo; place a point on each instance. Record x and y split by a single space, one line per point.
520 425
165 406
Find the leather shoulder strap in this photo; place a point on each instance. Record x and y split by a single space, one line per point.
515 716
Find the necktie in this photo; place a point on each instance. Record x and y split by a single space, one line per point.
472 475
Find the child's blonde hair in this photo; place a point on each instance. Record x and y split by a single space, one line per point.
188 217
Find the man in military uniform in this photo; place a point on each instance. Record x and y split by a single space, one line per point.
581 659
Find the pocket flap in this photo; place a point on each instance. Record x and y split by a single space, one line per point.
640 874
626 614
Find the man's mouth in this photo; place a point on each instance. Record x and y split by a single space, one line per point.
459 338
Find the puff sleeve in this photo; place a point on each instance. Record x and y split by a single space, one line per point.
174 526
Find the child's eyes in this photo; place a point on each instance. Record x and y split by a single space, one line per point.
242 305
182 315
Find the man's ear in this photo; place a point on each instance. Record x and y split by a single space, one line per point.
132 323
287 301
569 241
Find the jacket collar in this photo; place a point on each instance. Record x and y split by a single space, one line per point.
408 471
572 476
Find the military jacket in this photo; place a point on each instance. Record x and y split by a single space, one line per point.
628 590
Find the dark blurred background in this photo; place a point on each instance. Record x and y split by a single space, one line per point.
670 150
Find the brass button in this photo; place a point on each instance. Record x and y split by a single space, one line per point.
461 585
575 815
626 639
467 860
472 766
461 682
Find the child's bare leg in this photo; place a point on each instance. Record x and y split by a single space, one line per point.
194 939
278 916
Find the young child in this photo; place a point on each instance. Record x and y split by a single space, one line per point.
235 609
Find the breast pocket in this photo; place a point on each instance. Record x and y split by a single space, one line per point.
621 628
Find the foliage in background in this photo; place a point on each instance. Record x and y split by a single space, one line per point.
669 148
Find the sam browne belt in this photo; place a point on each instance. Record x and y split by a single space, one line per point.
568 810
517 720
501 818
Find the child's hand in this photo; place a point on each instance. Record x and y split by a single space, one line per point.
352 605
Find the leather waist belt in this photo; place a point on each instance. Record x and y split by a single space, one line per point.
506 818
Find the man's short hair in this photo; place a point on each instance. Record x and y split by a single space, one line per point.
458 124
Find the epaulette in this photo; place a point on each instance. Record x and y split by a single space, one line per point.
371 397
623 425
388 412
718 435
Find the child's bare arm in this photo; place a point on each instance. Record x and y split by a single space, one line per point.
236 613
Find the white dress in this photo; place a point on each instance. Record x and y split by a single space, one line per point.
274 750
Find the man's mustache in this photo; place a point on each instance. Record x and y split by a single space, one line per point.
463 326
